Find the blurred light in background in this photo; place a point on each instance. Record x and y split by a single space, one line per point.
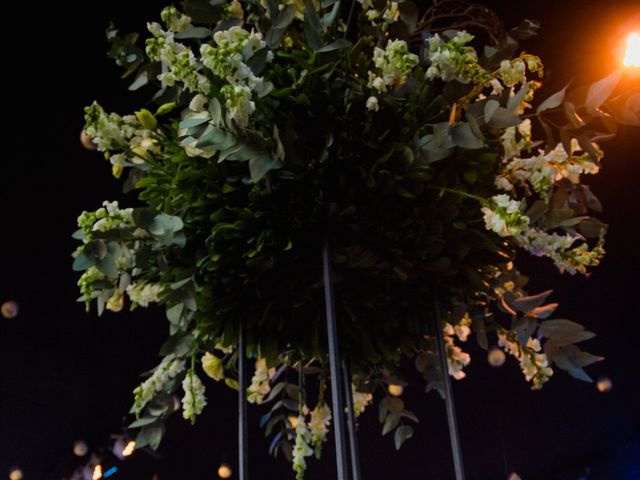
632 53
9 309
396 390
224 471
604 384
496 357
80 448
15 474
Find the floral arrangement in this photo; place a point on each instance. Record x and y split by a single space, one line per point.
391 132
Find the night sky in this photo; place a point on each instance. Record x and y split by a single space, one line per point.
66 375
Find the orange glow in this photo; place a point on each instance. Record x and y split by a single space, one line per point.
97 472
632 54
128 450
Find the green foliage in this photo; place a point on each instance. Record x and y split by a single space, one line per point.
419 167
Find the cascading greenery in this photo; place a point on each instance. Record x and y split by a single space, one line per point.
281 123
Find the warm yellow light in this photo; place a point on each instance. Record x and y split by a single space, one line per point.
97 472
15 474
224 471
604 384
632 54
395 390
496 357
129 448
293 420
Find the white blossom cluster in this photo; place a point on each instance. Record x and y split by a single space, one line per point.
505 216
301 448
194 400
534 365
542 171
456 358
393 65
143 294
319 426
452 59
169 368
227 60
260 387
387 15
361 400
123 134
179 63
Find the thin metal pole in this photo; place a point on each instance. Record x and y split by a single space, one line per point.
351 423
334 364
243 430
448 395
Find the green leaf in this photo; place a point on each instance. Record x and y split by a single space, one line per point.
335 45
197 33
260 166
601 90
329 18
82 262
215 109
312 26
503 118
165 108
403 433
390 423
490 109
526 304
464 137
174 313
193 122
285 17
146 119
141 80
553 101
141 422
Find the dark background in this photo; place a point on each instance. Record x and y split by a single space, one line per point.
66 375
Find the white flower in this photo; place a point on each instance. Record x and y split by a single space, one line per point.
212 366
393 65
260 387
319 425
301 448
453 59
194 400
169 368
513 72
143 294
198 103
361 400
373 104
175 20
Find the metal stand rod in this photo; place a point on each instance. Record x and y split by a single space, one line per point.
334 363
351 423
448 395
243 422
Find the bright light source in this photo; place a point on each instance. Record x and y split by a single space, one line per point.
9 309
632 54
15 474
395 390
80 448
97 472
496 357
224 471
129 448
604 384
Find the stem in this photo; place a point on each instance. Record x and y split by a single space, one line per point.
346 30
460 193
